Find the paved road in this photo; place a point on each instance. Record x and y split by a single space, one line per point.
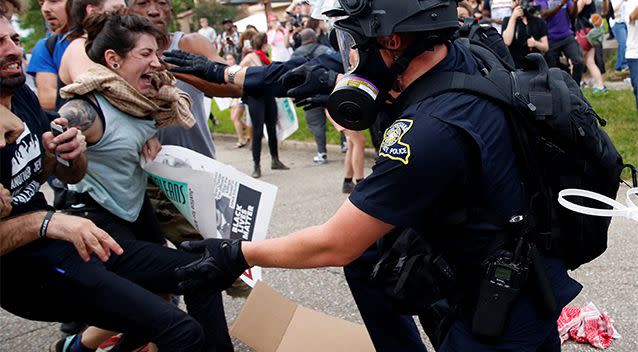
309 194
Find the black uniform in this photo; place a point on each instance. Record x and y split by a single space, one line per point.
450 153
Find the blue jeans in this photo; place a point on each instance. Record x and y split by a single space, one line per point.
620 32
633 72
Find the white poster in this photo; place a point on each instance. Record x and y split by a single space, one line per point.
221 201
223 103
287 122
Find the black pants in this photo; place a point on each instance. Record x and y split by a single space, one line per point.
263 110
389 330
118 295
570 47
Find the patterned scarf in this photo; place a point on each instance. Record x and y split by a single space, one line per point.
165 103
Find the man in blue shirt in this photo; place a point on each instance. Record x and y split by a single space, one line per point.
47 53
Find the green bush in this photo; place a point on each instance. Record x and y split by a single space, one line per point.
617 107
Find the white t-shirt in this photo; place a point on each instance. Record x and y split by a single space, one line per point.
278 50
499 9
209 33
632 31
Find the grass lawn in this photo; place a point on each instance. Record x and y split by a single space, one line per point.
302 134
617 107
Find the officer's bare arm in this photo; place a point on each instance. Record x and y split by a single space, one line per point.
339 241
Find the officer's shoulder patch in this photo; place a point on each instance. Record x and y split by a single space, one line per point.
392 146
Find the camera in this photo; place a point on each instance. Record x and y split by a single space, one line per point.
295 20
530 7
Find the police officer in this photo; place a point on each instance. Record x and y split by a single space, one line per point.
442 156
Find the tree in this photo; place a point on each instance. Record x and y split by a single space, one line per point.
32 19
214 12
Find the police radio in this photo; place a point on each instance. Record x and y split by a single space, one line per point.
499 288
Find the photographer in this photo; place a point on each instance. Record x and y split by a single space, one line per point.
228 40
277 39
523 33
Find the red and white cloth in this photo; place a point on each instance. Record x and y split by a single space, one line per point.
586 325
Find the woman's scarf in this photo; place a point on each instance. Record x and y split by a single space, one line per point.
262 56
165 103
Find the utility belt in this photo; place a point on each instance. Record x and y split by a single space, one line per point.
421 281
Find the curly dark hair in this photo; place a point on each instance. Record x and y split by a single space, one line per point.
117 32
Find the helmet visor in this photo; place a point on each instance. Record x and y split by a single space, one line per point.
348 50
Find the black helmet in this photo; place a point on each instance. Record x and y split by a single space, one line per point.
382 17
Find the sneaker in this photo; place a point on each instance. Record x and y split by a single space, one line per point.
320 158
278 165
348 187
62 345
344 147
72 328
599 91
239 289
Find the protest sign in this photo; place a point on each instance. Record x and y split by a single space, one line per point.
223 103
217 199
287 122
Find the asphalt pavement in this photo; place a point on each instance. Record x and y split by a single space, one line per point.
309 194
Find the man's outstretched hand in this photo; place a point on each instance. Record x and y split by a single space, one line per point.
221 264
308 80
196 65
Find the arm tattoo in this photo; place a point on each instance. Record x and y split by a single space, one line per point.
80 114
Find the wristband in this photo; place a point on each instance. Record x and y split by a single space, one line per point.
45 223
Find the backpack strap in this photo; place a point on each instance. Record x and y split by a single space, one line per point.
50 43
441 82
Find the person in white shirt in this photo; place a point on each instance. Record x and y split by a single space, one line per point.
631 53
276 39
495 11
619 28
207 31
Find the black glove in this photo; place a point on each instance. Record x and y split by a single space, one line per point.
196 65
222 263
308 80
316 101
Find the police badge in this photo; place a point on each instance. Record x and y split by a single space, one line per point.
392 147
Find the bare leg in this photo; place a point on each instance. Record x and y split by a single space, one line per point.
348 169
236 115
93 337
356 142
592 68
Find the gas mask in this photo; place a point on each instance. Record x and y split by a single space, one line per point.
358 96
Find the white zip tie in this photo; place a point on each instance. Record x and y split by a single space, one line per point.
629 211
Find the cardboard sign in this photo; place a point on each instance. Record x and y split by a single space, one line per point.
270 322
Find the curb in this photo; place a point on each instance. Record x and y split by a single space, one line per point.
296 145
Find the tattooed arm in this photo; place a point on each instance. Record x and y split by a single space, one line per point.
83 126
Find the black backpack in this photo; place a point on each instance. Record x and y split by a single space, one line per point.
559 145
488 36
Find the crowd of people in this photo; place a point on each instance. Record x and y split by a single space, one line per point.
118 84
569 33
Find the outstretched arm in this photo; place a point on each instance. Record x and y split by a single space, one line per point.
82 233
337 242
